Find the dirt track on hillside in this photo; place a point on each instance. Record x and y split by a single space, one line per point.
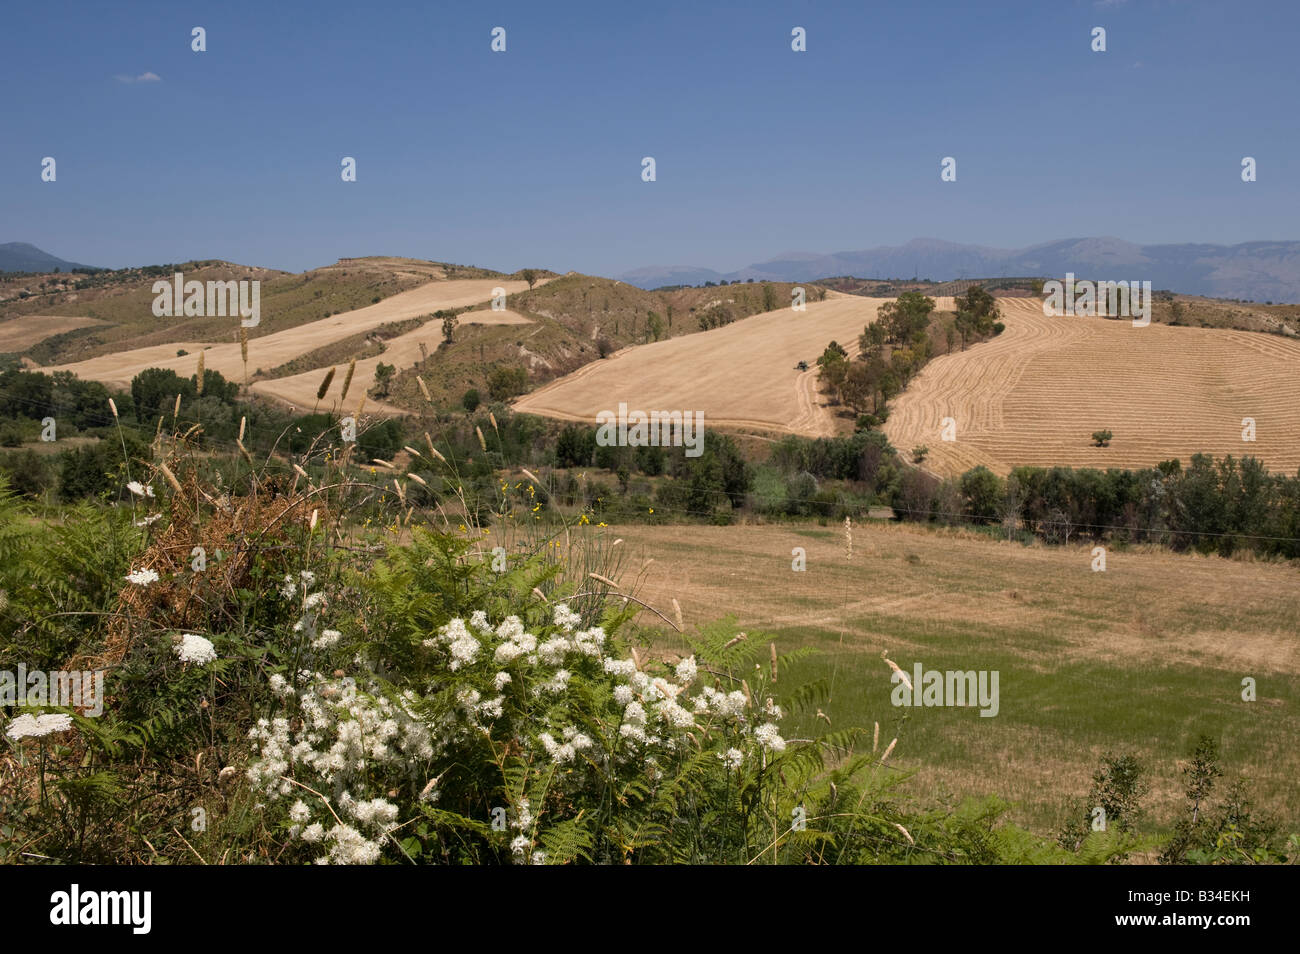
271 350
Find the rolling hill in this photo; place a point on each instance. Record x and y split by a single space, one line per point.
23 257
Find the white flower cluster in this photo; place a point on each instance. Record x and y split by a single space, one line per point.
289 586
195 649
347 739
143 577
343 731
33 727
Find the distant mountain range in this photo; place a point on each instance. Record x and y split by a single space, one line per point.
1259 271
22 257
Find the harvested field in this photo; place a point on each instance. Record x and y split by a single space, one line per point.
19 334
402 352
740 375
1035 394
276 348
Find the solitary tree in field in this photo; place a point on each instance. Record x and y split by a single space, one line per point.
1102 438
530 276
383 377
449 322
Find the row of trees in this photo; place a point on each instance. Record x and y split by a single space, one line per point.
1212 505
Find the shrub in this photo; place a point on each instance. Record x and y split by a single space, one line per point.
1102 438
507 382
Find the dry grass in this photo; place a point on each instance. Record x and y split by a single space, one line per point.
740 375
402 352
19 334
1035 394
1137 659
276 348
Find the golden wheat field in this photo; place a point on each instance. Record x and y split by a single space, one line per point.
740 375
19 334
271 350
402 352
1035 394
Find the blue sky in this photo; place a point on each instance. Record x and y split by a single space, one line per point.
533 156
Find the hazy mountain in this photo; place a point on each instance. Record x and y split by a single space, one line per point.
22 257
1263 271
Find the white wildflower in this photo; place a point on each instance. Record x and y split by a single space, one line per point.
28 726
326 639
553 650
139 489
299 812
195 649
559 682
565 617
143 577
732 758
501 680
620 667
768 736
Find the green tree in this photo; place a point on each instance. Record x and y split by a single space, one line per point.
905 316
507 382
383 379
983 492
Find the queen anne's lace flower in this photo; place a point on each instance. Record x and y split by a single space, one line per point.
195 649
143 577
27 726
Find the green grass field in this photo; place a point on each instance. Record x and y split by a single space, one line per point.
1139 659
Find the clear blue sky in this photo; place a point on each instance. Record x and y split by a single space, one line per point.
532 156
